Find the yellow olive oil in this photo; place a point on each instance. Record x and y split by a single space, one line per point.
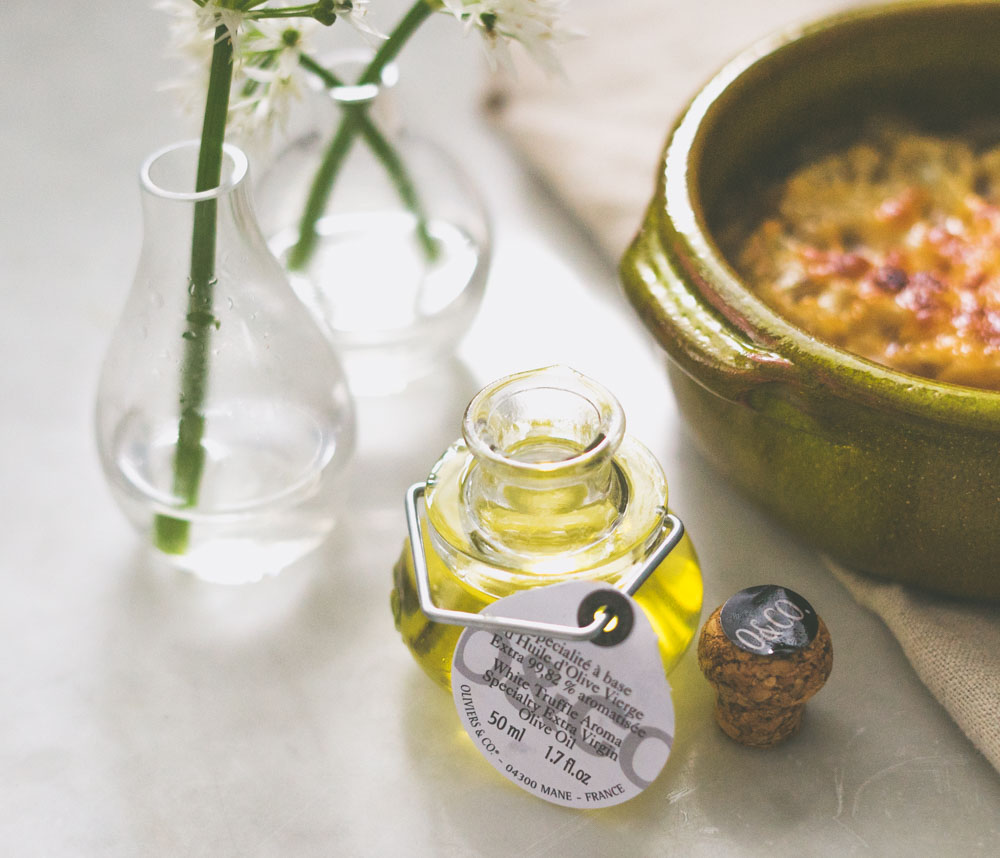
671 599
546 487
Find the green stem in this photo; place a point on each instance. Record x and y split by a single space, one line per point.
387 155
286 12
171 534
389 158
350 125
418 13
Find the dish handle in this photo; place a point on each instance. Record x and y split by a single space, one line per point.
699 339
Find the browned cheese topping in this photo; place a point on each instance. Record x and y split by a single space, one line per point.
891 250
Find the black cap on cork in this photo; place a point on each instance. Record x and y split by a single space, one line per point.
766 652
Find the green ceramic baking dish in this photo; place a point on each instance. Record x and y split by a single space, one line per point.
890 473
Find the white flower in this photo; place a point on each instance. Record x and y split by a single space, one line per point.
214 13
196 20
267 76
354 12
190 41
268 107
533 23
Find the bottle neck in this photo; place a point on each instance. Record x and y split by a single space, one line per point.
375 100
172 207
542 478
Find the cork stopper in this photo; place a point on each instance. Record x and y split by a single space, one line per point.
766 652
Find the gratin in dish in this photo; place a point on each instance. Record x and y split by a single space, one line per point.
890 248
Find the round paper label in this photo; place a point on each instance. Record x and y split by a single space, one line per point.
769 620
581 724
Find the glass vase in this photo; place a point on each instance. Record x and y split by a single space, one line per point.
396 261
224 420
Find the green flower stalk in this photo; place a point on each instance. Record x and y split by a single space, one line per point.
170 534
356 121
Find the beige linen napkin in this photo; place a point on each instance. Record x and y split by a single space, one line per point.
595 138
954 648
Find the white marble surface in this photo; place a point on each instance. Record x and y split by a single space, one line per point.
144 714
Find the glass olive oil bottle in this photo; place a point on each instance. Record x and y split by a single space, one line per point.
544 487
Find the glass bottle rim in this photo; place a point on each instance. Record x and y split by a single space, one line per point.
609 428
358 93
231 178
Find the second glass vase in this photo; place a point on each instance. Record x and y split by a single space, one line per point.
394 259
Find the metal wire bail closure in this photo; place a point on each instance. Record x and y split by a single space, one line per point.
589 632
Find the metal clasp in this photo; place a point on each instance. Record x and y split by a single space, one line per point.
628 585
